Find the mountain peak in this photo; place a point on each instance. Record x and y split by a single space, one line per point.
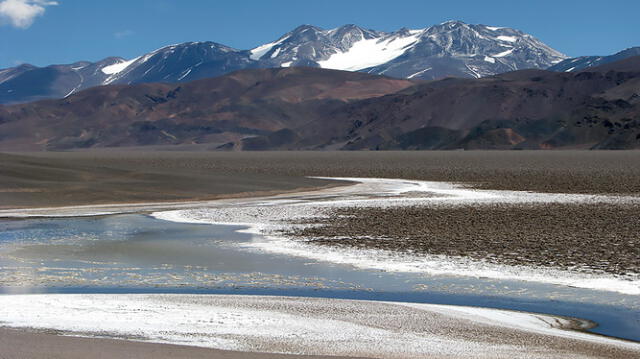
304 28
453 23
348 27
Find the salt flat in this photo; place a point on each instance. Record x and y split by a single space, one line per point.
272 216
312 326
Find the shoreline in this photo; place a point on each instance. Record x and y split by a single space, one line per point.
195 201
116 208
277 220
278 217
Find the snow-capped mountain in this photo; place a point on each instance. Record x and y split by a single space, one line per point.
462 50
583 62
452 48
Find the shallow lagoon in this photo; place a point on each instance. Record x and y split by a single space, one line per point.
139 254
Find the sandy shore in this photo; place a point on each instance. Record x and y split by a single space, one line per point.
298 325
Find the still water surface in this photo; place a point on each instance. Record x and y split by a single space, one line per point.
135 253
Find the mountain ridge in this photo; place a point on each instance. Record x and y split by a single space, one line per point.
453 48
583 62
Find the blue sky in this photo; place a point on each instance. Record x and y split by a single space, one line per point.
64 31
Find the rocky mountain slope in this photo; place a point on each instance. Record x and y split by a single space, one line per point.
318 109
27 83
449 49
597 108
211 111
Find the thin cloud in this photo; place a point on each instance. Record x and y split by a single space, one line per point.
22 13
123 34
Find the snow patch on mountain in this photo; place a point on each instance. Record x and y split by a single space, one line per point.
507 38
371 52
117 67
504 53
419 73
258 52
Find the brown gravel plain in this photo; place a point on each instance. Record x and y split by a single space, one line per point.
71 178
602 238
